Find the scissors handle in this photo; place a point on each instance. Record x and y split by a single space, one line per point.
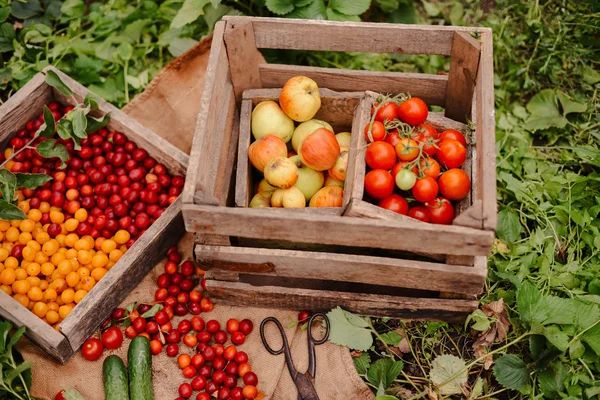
312 342
285 347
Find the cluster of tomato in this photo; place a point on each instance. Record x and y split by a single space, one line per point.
411 157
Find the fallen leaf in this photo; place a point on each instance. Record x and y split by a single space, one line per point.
432 395
405 393
495 333
403 346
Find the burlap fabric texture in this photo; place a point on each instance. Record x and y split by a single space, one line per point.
169 106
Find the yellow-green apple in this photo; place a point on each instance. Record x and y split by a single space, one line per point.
329 196
329 181
281 172
305 129
277 198
263 186
261 200
309 180
264 149
343 138
338 171
319 150
300 98
292 198
268 117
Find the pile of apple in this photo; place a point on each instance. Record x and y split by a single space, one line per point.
300 164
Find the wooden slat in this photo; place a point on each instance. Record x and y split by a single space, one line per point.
243 179
242 294
217 76
486 133
441 123
160 149
225 186
471 217
294 34
279 224
243 55
112 289
430 88
38 331
355 177
13 115
346 268
461 78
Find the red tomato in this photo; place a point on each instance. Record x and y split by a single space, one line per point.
395 203
428 136
420 212
377 132
451 153
386 113
112 338
413 111
454 184
426 189
401 165
59 395
441 211
454 135
380 155
430 167
393 138
407 149
379 184
92 349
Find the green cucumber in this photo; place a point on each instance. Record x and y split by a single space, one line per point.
116 386
139 364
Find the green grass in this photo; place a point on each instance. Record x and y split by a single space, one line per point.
547 63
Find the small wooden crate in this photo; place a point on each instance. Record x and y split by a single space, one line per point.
279 258
110 291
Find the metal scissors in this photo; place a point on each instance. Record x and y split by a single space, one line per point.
304 382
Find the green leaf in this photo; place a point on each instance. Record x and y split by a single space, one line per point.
576 349
7 35
302 3
4 13
349 330
134 30
91 100
570 106
73 8
129 307
31 181
17 371
54 80
125 51
432 9
557 337
592 337
388 6
477 389
65 128
445 367
189 12
8 184
528 302
80 123
544 111
15 338
9 212
562 310
72 394
385 397
25 9
384 371
590 75
315 10
50 149
333 15
546 357
49 125
362 363
178 46
509 226
93 124
152 312
511 372
354 7
552 379
391 338
457 12
482 322
537 344
280 7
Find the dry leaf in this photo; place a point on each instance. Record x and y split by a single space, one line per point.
405 393
396 351
432 395
403 346
495 333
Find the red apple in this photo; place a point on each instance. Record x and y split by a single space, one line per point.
338 171
265 149
319 150
329 196
300 98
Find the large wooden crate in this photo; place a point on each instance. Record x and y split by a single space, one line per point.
110 291
364 259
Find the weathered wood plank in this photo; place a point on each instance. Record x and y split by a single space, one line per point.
240 294
243 55
283 33
486 133
243 178
461 78
112 289
38 331
430 88
355 177
326 229
345 268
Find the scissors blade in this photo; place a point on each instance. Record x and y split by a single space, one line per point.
306 389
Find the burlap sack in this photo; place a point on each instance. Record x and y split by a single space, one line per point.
169 107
